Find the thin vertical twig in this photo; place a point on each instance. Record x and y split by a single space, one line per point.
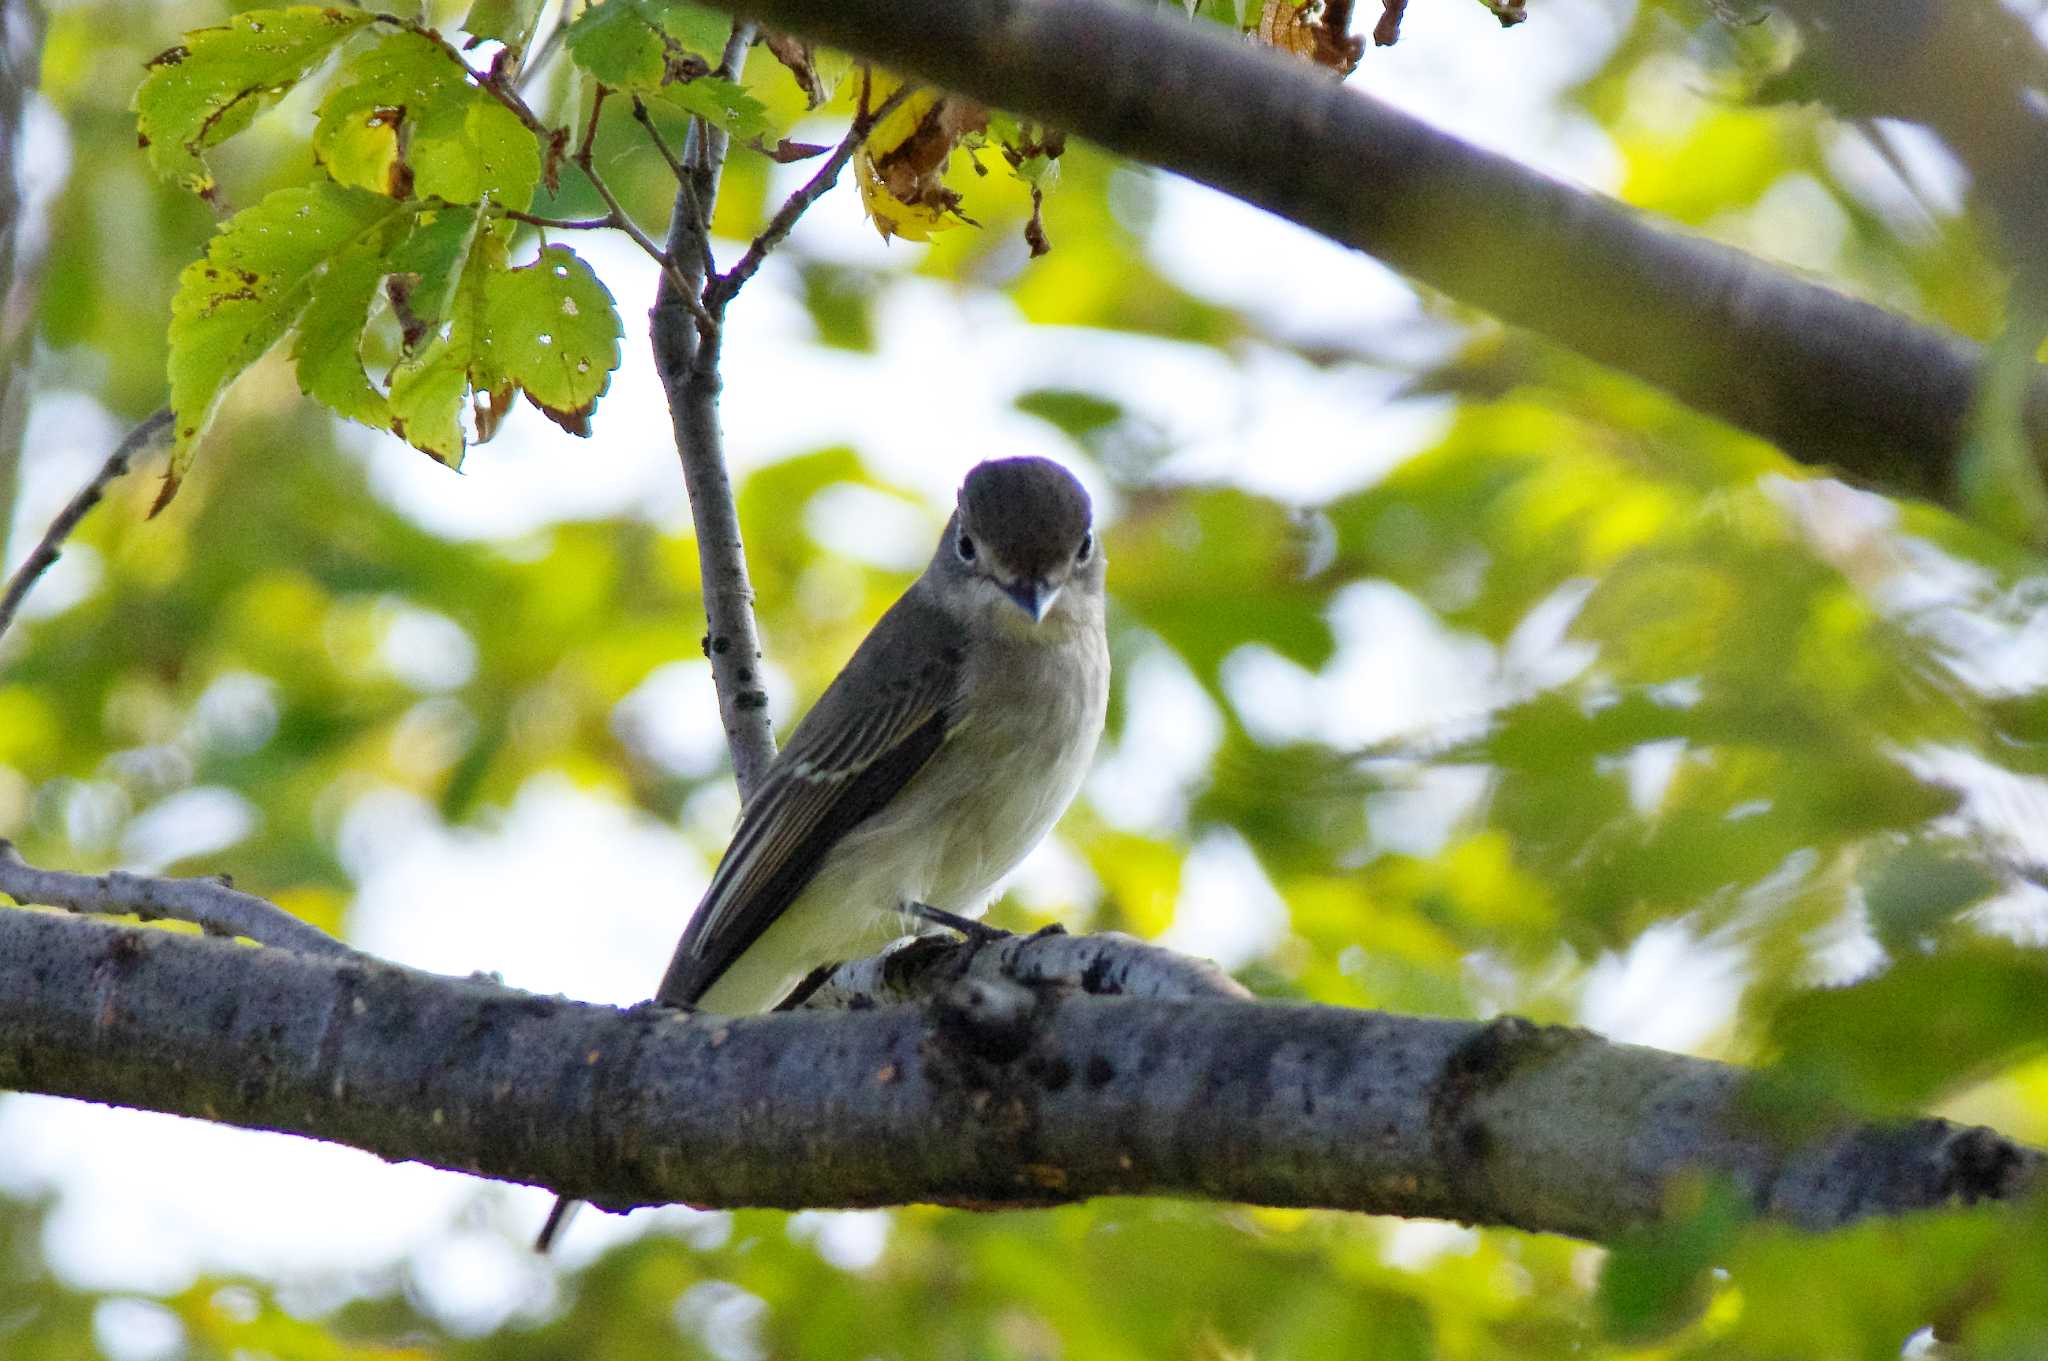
686 354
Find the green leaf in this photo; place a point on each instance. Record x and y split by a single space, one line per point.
646 44
328 346
1926 1025
1997 476
1074 412
1656 1278
1210 570
260 272
404 119
426 268
428 386
666 48
510 22
1918 889
555 331
423 270
208 88
720 101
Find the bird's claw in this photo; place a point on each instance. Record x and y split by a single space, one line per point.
966 927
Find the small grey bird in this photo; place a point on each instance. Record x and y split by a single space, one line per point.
946 749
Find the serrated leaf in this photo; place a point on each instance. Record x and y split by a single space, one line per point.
425 269
327 348
668 49
1927 1025
428 386
208 88
646 44
260 272
422 270
555 332
405 120
510 22
723 102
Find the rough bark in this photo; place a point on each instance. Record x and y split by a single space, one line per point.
1833 380
994 1093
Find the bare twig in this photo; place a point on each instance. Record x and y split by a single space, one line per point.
209 904
619 218
646 120
700 230
686 349
722 289
52 544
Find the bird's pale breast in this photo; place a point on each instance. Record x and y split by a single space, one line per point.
1033 709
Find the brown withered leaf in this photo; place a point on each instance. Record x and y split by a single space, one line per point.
398 179
1319 30
1387 31
490 406
785 151
912 168
795 54
901 167
411 329
1034 230
575 420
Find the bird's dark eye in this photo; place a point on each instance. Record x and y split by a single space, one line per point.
1087 547
964 546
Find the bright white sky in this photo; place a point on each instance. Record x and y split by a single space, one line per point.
330 1218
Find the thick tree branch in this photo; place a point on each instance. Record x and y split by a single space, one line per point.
212 905
1833 380
46 552
995 1093
686 347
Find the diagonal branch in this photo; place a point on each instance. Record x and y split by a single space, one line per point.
1833 380
153 429
721 290
212 905
993 1093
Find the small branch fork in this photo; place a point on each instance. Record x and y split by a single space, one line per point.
213 904
706 304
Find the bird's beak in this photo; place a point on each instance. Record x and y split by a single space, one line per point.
1033 596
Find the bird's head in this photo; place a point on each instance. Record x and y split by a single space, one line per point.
1022 535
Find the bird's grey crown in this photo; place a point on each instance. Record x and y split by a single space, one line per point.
1030 513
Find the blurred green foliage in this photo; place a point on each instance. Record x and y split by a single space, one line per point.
1800 726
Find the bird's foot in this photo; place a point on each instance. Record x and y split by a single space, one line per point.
967 927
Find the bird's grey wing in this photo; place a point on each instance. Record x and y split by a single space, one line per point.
869 734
